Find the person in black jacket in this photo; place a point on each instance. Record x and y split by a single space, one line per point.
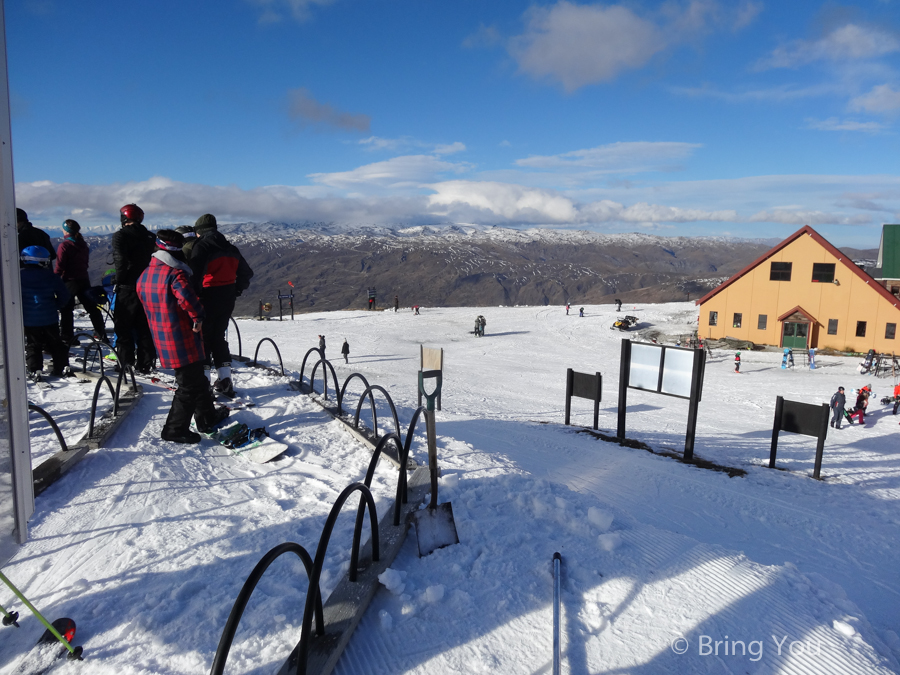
132 246
838 401
220 275
29 235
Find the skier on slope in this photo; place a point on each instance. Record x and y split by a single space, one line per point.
345 350
737 362
132 247
43 293
176 315
72 258
220 275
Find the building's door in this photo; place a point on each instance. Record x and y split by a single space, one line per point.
795 335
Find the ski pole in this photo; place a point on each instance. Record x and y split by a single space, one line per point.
10 618
557 559
47 624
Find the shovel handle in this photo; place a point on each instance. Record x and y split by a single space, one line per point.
432 455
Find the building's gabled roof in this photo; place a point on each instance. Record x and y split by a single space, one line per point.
802 311
819 239
888 265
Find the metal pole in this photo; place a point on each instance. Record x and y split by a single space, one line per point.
569 377
820 446
557 559
624 376
776 427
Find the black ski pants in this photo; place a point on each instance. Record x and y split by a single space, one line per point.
193 398
40 339
132 330
218 303
78 289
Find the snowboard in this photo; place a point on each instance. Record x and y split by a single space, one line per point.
48 650
258 451
812 359
784 359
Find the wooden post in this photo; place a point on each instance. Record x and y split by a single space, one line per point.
570 376
779 409
624 374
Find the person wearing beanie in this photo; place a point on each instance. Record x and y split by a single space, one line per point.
220 275
175 316
29 235
72 259
132 246
43 294
190 237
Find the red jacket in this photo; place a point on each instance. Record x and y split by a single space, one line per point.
72 258
172 307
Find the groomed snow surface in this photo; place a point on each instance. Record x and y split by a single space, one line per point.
667 568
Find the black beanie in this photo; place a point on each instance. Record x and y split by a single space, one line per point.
21 216
205 223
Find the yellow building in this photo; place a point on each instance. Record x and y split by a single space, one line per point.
803 293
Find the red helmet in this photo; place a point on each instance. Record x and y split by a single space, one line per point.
131 213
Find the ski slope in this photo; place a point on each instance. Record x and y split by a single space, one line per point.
147 543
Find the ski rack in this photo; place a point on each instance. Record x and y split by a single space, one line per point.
240 355
99 431
318 652
36 408
277 351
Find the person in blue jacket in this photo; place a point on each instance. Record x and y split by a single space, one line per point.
43 295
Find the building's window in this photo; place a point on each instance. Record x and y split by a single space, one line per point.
713 318
895 290
860 329
780 271
832 326
737 320
889 331
763 320
823 273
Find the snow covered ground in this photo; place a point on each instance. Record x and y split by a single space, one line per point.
668 568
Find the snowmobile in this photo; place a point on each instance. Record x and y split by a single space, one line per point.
625 324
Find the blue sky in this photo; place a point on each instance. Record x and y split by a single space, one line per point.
743 118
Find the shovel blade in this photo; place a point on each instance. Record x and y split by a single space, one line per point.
435 528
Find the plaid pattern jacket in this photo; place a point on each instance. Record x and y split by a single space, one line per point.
172 307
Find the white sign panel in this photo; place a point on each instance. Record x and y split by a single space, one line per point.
645 362
678 371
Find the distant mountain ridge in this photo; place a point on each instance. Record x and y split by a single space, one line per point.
331 267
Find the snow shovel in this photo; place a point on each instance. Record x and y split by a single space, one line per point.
435 527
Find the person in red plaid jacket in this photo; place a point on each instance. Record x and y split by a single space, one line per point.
175 316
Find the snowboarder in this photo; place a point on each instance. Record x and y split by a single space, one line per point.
581 311
72 258
132 246
345 350
618 305
737 362
175 316
481 323
322 345
220 275
29 235
416 310
862 402
396 303
896 399
838 401
43 294
567 309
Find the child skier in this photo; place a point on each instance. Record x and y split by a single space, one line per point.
43 295
737 362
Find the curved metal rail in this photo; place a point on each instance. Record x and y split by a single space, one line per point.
306 356
237 610
401 496
103 378
368 391
312 378
238 331
277 351
303 651
46 416
371 398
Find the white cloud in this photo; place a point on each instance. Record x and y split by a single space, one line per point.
799 217
307 111
882 99
273 11
398 172
785 92
616 157
450 149
510 202
834 124
579 45
849 42
406 142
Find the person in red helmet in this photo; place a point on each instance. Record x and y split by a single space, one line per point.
132 247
